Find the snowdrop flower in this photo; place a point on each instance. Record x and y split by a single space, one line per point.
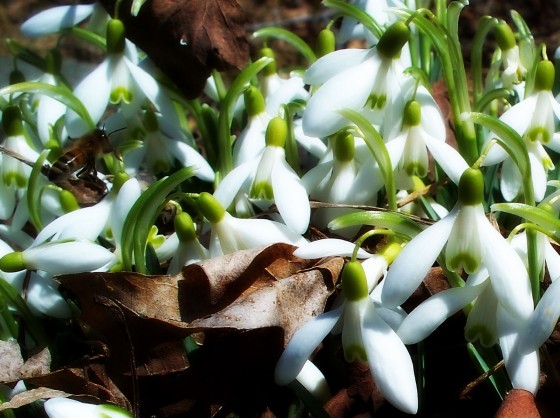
183 245
56 19
268 178
472 242
159 152
229 234
69 408
14 173
118 79
353 78
365 337
350 177
532 118
60 257
514 70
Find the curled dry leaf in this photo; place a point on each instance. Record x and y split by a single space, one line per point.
13 367
32 395
187 39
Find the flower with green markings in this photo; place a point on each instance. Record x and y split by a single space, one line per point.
229 234
354 79
14 174
472 242
69 408
118 80
366 336
514 71
534 119
268 179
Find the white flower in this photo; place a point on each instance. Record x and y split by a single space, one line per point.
350 78
365 336
534 119
55 19
472 242
229 234
69 408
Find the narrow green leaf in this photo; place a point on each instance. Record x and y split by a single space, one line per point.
377 146
287 36
393 221
136 6
142 216
88 36
499 385
533 214
34 194
59 93
355 12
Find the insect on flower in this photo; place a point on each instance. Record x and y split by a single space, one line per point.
75 170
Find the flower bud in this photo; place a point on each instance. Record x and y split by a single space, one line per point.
184 227
276 132
325 43
504 36
115 36
270 69
11 121
471 187
12 262
412 113
343 147
354 281
254 101
210 207
392 41
544 77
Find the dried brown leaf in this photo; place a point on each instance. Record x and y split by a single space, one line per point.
32 395
13 367
187 39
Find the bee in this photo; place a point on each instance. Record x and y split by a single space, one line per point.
80 159
75 170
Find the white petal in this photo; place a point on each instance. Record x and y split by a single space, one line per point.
510 180
290 196
67 257
509 276
254 233
348 90
431 313
334 63
291 89
329 247
147 84
251 141
542 320
48 113
539 177
315 177
302 344
313 145
481 323
188 156
7 200
42 295
552 261
315 383
390 363
234 181
55 19
519 116
394 317
93 91
447 157
414 261
166 250
128 195
523 369
69 408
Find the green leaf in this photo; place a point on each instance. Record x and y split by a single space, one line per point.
59 93
226 114
287 36
538 216
377 146
393 221
88 36
23 53
497 381
142 216
355 12
34 194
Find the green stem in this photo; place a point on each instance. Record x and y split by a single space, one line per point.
485 25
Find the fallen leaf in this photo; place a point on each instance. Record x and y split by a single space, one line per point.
13 367
32 395
187 39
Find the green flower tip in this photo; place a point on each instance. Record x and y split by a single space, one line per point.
210 207
343 148
325 43
465 260
184 227
276 132
254 101
354 282
11 121
390 251
471 187
270 69
113 411
544 77
68 201
262 190
120 95
392 41
118 180
504 36
354 352
115 36
412 113
12 262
